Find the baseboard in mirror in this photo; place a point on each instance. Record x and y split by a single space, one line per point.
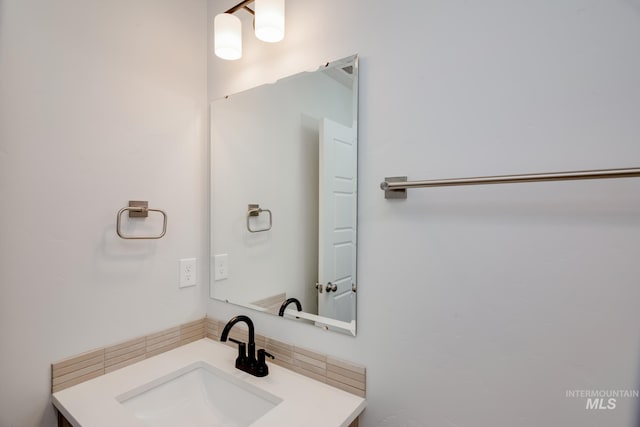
271 304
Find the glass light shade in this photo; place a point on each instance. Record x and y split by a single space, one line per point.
269 20
227 34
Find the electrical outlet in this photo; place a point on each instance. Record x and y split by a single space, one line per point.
220 267
187 272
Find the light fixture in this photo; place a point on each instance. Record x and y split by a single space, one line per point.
228 36
268 25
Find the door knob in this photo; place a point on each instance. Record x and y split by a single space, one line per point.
332 287
318 286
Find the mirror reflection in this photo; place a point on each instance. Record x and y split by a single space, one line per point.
284 197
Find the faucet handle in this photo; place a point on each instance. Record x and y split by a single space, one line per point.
261 355
242 352
262 370
237 342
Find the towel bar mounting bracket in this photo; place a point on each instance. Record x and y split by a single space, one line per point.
394 194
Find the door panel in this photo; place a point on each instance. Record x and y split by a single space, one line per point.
337 220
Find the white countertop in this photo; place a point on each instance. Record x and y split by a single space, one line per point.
304 401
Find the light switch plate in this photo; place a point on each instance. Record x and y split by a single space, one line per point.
187 272
220 267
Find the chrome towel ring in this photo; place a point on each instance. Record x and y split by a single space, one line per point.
254 210
139 209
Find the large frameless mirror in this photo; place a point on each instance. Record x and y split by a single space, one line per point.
284 197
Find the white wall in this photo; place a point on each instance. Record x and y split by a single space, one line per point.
100 102
481 306
278 171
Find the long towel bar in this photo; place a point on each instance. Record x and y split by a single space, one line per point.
396 187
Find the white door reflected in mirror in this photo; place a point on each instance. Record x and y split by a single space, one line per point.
337 220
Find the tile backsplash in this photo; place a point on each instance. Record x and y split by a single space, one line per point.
338 373
86 366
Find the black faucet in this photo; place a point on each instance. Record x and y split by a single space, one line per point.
246 361
284 305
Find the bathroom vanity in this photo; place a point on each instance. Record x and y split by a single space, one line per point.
197 385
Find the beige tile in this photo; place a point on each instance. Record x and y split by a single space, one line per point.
280 352
122 364
282 363
211 327
279 358
78 362
310 374
312 354
261 341
299 357
197 331
194 332
283 350
124 344
345 372
76 359
309 367
198 323
346 365
96 367
76 380
276 343
124 348
212 332
162 349
165 335
108 362
346 380
193 338
346 387
173 342
162 339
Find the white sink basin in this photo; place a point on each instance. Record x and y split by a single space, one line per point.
198 395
